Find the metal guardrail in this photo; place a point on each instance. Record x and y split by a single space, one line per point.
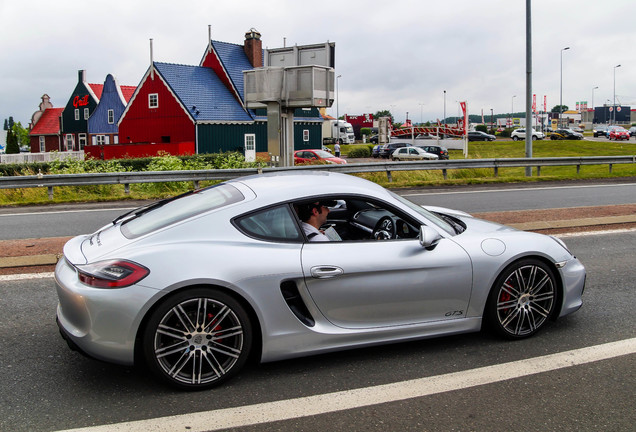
196 176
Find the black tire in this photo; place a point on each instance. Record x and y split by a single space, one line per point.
515 138
197 339
523 298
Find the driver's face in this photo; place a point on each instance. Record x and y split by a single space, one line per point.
321 214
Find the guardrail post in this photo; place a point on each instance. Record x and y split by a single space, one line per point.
445 174
578 169
389 176
496 171
127 188
610 167
50 188
538 170
196 184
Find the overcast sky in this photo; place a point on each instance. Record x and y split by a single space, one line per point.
398 55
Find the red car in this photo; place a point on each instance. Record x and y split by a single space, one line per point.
316 156
618 133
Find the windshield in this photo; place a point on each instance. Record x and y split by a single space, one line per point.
427 214
323 154
180 209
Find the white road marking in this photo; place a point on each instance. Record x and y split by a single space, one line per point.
357 398
23 276
117 209
472 192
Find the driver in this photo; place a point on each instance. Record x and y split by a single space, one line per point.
314 215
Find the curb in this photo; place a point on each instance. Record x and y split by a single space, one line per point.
52 259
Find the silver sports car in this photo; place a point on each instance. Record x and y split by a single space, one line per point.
195 284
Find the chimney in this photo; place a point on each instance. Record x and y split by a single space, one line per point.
254 48
81 75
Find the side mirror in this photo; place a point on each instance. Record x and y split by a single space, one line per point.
429 237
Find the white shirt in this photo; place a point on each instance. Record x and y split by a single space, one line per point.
314 234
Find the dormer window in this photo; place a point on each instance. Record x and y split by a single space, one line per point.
111 116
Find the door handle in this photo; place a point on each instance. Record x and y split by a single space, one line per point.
323 272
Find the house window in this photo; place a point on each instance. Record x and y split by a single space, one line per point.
82 141
306 135
100 139
153 100
116 139
86 114
70 141
42 146
76 114
111 116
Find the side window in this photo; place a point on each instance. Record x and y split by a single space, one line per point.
275 224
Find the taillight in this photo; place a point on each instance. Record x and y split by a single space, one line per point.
111 274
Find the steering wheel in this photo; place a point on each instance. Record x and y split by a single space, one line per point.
385 229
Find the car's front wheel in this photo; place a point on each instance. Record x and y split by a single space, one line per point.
197 339
515 138
523 298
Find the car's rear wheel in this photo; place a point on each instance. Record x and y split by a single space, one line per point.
523 298
197 339
515 138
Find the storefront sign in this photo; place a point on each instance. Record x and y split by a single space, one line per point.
78 102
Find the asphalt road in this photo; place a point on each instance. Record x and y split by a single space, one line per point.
68 220
44 386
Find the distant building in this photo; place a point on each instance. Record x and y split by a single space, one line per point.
45 135
102 123
78 109
182 109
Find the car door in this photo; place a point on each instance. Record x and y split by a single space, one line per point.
366 284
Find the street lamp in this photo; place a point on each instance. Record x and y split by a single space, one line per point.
444 107
561 86
617 66
337 100
512 108
491 119
593 110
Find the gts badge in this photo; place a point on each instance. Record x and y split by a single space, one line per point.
454 313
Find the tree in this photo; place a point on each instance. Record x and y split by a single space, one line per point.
383 113
21 134
12 143
559 108
6 124
482 128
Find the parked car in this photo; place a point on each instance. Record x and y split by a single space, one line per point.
578 130
565 134
387 149
375 152
441 152
316 156
632 131
412 153
192 287
374 139
600 131
618 133
327 149
480 136
518 134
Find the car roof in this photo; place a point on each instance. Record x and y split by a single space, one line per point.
291 185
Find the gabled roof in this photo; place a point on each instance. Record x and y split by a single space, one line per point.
49 122
127 91
202 93
235 61
97 89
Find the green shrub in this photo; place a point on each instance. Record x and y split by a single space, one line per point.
359 152
365 131
481 128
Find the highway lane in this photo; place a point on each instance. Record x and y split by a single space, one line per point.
45 386
68 220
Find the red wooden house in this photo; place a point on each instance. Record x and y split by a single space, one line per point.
45 133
